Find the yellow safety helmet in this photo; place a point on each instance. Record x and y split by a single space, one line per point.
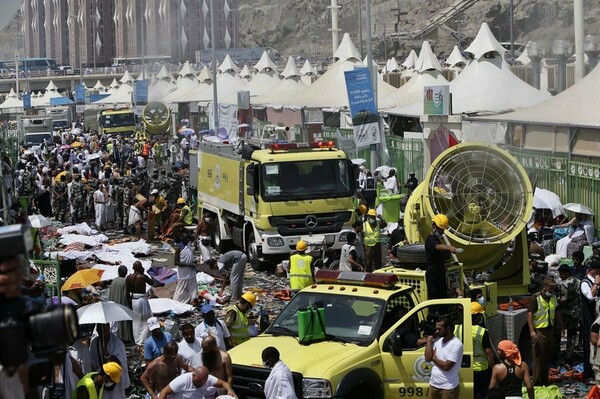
113 370
476 308
249 297
181 201
301 245
362 209
441 221
372 212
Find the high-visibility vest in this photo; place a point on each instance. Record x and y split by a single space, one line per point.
88 382
480 361
546 311
188 215
371 235
300 273
146 150
239 328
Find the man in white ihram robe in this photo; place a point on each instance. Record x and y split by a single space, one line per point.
100 207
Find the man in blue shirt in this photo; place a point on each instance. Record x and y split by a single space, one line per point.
153 347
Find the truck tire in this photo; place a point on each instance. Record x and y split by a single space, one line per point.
412 253
220 245
254 256
360 384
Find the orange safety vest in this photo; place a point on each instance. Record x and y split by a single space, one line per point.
146 150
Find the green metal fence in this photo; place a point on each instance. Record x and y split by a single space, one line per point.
574 179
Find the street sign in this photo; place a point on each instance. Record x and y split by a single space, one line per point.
80 96
140 92
26 101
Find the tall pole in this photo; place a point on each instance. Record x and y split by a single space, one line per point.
334 25
373 79
213 42
511 27
360 28
17 71
578 22
93 20
143 48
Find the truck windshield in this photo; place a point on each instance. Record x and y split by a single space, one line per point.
60 124
347 318
300 180
37 138
117 120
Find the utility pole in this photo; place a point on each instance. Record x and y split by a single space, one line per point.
93 21
334 25
144 47
579 31
511 27
360 28
371 73
213 17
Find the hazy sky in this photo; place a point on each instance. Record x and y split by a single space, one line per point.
9 7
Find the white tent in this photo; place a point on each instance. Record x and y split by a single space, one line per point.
291 83
12 104
308 72
408 98
329 91
392 65
123 94
245 74
186 84
228 82
409 63
487 83
455 59
163 85
265 79
99 86
112 88
524 59
44 100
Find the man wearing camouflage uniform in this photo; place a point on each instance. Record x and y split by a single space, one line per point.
78 198
60 199
569 307
27 186
117 196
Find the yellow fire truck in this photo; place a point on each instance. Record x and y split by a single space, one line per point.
264 200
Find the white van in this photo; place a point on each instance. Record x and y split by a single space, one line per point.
66 70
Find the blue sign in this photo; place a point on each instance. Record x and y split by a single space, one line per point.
80 94
140 92
26 100
365 118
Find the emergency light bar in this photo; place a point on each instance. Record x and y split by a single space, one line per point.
381 280
295 146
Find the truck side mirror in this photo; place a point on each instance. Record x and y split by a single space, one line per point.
393 344
251 188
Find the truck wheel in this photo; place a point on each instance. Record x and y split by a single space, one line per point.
359 384
254 255
412 253
220 245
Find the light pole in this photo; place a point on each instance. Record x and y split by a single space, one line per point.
512 39
214 65
75 17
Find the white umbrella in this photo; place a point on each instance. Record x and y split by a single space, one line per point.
104 312
384 171
578 208
93 156
546 199
359 161
39 221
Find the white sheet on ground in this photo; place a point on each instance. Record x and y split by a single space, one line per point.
92 241
81 228
164 305
138 247
203 278
112 271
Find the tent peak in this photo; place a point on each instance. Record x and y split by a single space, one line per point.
265 62
290 68
427 60
346 50
484 42
228 65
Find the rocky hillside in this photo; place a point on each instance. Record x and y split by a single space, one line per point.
301 27
9 37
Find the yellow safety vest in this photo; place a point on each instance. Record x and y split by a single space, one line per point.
239 328
371 235
88 382
480 361
300 273
546 311
188 216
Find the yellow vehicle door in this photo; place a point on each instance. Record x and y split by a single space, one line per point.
405 371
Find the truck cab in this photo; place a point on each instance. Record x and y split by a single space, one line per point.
117 122
35 130
365 339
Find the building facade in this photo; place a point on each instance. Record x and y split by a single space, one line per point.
94 32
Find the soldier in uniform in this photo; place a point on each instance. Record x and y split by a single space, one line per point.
89 200
595 256
27 184
178 180
173 192
117 196
78 198
569 306
60 199
144 183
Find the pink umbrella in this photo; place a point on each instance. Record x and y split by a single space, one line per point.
65 147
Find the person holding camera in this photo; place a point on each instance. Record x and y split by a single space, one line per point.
445 351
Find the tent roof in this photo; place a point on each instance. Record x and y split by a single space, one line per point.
127 78
163 74
524 57
51 87
12 101
284 89
488 85
205 75
412 91
121 96
346 50
114 83
484 42
265 62
186 70
99 86
227 65
427 60
392 65
245 73
308 69
43 100
411 60
290 68
576 106
158 90
455 58
184 88
227 83
261 83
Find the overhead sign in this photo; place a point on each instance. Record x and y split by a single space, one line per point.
140 92
436 100
26 101
80 90
365 118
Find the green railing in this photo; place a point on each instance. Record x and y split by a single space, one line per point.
574 179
